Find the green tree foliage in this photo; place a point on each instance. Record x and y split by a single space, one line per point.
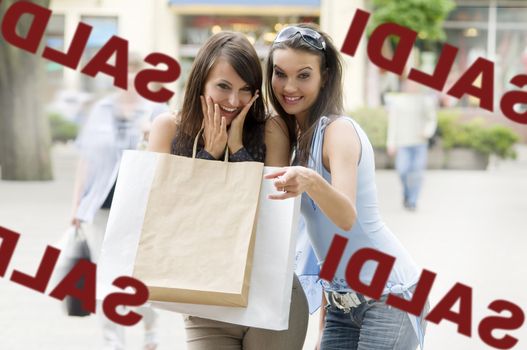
494 139
475 134
374 121
62 130
423 16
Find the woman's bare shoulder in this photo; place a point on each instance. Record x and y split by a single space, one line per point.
166 120
277 142
275 124
163 131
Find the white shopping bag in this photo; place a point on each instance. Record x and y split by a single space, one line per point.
272 275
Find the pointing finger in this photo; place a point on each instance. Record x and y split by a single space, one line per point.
282 196
275 174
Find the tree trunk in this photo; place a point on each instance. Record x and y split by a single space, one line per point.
25 141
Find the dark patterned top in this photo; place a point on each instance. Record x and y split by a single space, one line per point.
251 152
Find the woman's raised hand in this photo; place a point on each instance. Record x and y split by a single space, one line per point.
235 140
215 128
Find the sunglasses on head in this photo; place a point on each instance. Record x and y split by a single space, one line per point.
310 36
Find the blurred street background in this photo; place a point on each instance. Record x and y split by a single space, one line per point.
469 226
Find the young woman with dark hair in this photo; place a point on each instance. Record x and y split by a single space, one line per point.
222 96
334 172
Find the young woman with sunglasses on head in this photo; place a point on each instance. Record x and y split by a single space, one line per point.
221 96
335 174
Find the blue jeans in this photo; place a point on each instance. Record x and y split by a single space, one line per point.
373 325
410 163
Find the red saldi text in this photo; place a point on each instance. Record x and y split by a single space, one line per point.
68 285
442 311
115 46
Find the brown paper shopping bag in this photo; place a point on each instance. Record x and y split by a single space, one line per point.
273 258
197 239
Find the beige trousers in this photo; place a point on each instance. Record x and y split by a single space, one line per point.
204 334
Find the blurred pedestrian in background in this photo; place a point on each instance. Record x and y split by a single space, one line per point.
412 121
118 122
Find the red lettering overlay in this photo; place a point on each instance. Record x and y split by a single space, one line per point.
138 298
438 79
336 249
355 32
99 63
68 286
115 47
45 270
463 318
384 266
511 98
459 293
416 305
488 324
464 85
147 76
31 41
382 272
73 56
7 248
477 81
84 271
404 47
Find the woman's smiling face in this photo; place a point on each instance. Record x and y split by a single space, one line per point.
227 89
296 80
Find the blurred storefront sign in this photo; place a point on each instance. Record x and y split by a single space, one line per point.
247 7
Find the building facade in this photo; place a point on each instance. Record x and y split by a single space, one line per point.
179 27
494 29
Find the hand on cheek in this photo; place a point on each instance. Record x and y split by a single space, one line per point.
235 140
215 128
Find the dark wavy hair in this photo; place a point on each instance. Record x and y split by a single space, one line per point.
241 55
329 101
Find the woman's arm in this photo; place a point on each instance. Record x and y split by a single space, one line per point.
80 178
341 151
276 142
162 133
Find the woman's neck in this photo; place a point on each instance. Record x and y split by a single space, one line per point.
301 120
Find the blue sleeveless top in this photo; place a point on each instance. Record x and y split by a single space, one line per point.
368 231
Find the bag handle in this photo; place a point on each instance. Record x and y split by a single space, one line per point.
195 147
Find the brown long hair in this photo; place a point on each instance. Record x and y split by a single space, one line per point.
329 101
242 56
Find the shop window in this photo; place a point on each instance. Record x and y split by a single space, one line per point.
510 14
511 56
260 30
469 14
